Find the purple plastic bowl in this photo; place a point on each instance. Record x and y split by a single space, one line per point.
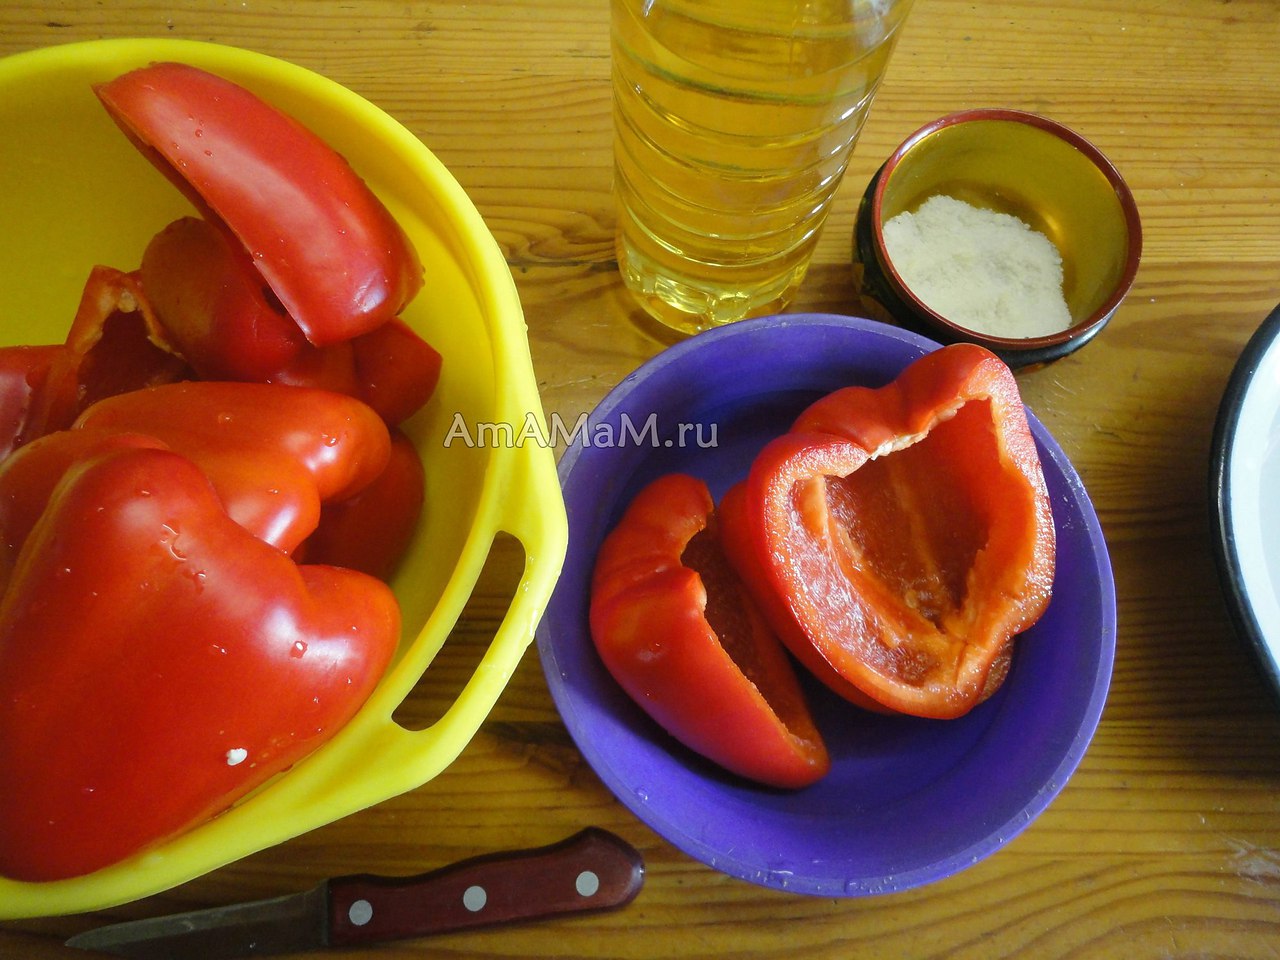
908 801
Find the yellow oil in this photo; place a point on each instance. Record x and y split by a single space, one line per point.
734 121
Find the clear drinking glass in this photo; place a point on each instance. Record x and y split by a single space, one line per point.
734 121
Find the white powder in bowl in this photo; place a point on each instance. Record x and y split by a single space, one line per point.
986 271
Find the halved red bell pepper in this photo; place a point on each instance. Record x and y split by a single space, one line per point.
341 442
29 477
114 345
396 370
680 634
158 662
332 253
371 530
274 453
23 374
214 307
392 369
908 532
740 550
219 316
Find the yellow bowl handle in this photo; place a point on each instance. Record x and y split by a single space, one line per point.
528 505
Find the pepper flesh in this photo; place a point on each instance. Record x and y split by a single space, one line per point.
114 345
908 531
680 634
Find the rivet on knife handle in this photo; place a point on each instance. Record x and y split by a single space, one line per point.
592 870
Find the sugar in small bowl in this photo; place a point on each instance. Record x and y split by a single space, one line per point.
1001 228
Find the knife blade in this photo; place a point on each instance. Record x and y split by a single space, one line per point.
592 870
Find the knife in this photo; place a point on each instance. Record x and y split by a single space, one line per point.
590 871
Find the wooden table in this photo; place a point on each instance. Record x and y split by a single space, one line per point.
1167 840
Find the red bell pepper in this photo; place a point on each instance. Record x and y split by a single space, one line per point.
28 479
907 531
274 453
158 662
216 313
213 305
392 369
338 439
680 634
333 255
23 374
371 530
396 370
114 345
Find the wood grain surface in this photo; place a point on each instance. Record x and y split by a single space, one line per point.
1166 843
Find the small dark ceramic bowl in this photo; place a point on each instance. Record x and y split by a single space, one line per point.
1021 164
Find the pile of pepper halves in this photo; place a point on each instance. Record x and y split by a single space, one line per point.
895 541
204 488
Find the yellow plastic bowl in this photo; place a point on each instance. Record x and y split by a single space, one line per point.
74 193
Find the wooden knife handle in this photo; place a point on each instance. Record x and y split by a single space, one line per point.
590 871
